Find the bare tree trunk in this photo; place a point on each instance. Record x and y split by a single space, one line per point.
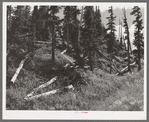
128 40
90 60
34 35
110 63
139 62
68 35
53 43
128 54
79 28
130 49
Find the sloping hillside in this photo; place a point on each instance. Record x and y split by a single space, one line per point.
97 90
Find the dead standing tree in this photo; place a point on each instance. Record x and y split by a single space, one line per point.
127 37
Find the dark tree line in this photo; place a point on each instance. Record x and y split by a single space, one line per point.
81 30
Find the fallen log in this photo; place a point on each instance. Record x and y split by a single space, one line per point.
28 34
48 93
123 70
18 70
43 42
42 86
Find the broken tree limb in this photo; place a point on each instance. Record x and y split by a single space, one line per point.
48 93
115 67
18 70
42 86
71 60
123 70
117 58
99 51
28 34
64 51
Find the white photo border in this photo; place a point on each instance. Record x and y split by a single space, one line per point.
72 115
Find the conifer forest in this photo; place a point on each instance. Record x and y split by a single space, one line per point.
69 58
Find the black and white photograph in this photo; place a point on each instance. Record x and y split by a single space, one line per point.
74 60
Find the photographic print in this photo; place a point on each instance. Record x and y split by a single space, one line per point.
74 60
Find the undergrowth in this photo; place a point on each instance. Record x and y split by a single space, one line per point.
93 90
103 92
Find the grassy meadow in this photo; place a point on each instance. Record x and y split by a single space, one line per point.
101 91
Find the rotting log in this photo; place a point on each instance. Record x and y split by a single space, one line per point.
42 86
19 69
47 93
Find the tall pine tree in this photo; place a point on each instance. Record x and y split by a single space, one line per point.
138 35
88 33
111 35
35 16
53 21
67 18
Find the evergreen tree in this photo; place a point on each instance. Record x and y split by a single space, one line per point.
88 33
111 35
138 35
34 21
67 18
20 23
79 27
73 34
42 29
10 12
53 20
97 20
